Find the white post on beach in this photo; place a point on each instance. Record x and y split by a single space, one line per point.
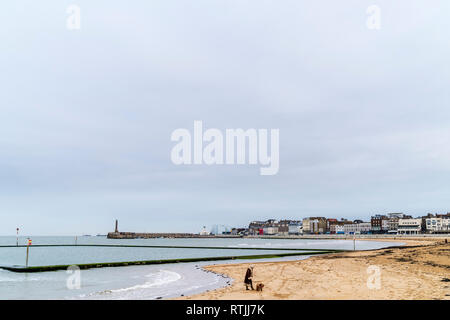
354 243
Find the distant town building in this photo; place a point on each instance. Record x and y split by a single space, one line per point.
256 228
350 228
274 227
283 227
409 226
398 215
314 225
393 221
295 228
338 228
438 223
239 231
392 225
270 227
379 224
330 223
357 227
364 227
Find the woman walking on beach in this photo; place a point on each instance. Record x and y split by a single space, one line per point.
248 278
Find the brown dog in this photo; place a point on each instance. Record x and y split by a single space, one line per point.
259 287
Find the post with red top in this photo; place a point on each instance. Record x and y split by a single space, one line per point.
28 250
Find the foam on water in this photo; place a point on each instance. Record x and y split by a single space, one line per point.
173 280
161 278
7 276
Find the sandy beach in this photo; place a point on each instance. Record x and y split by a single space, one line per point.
420 270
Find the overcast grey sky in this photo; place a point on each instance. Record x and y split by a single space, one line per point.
86 115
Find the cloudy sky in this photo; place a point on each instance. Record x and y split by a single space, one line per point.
86 115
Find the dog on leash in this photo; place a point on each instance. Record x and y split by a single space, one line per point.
259 287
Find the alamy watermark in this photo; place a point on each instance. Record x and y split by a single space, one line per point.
73 21
373 21
73 281
236 146
374 278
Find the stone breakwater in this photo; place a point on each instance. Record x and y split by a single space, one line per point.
135 235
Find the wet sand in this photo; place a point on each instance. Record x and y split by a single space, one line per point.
420 270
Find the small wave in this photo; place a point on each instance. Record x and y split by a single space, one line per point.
161 278
7 276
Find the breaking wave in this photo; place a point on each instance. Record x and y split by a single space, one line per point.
160 278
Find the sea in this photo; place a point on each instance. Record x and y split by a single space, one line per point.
137 282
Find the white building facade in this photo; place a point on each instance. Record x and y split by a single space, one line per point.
409 226
295 228
437 225
357 228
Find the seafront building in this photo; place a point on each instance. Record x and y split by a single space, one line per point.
284 227
391 223
270 227
337 228
239 231
314 225
438 223
255 228
295 228
409 226
357 228
379 224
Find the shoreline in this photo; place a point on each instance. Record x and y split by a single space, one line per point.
50 268
418 270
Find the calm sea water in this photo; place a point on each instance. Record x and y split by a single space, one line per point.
134 282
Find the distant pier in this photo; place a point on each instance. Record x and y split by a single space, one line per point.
144 235
135 235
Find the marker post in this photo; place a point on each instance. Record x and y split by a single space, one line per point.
28 250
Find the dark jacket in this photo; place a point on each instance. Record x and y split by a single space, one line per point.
248 276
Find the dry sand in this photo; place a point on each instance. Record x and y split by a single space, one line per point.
420 270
